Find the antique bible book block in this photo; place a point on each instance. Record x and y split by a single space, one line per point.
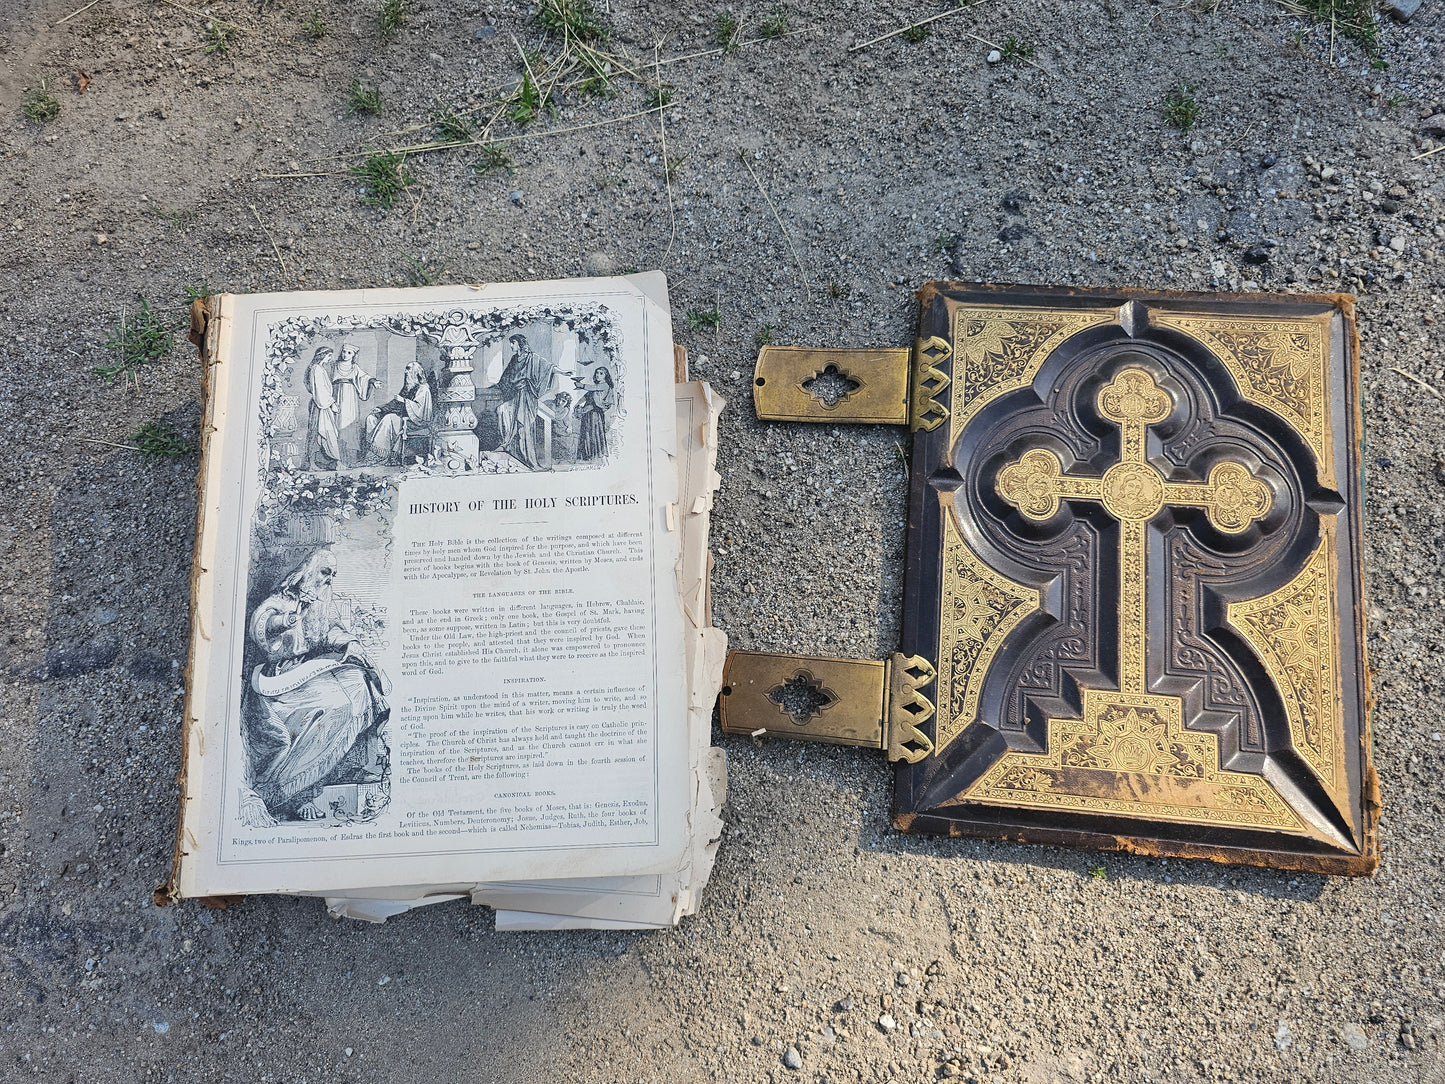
451 625
1133 611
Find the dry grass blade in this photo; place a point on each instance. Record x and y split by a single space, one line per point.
802 271
666 168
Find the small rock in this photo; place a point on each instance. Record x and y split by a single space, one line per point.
596 264
792 1059
1397 243
105 616
1389 206
1257 254
1354 1037
1013 202
1013 232
994 56
486 31
101 238
473 246
1283 1037
1268 159
845 1005
516 197
1329 173
1402 10
887 1023
901 979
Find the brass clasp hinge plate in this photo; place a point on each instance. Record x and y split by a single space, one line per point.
796 384
863 702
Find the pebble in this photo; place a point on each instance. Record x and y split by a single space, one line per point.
1397 243
792 1059
1283 1037
887 1023
994 56
1402 10
516 197
1354 1037
1257 254
101 239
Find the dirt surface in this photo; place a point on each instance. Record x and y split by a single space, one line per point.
826 940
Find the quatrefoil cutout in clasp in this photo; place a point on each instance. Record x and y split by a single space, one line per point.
831 385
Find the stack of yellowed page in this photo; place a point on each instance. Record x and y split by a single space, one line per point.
451 617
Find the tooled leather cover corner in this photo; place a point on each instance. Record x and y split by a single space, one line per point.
1134 556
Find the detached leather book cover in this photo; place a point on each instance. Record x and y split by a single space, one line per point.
1134 565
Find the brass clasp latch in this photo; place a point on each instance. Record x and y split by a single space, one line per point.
863 702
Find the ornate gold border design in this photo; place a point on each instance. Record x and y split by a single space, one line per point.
999 350
1281 363
1293 632
978 609
1131 756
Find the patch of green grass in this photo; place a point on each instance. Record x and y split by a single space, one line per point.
452 126
704 318
175 218
774 25
40 105
526 102
361 98
764 335
314 27
915 35
159 440
1353 19
672 165
727 32
839 290
943 244
598 81
384 177
390 17
1297 39
1017 49
575 19
142 337
1397 100
1099 873
1181 110
219 37
420 272
659 95
491 159
198 293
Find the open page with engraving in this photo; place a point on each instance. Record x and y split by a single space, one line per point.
437 634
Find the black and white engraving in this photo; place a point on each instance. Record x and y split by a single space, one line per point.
314 710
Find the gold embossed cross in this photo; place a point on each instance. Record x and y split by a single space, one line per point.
1134 491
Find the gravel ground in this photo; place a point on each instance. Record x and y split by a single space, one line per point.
829 947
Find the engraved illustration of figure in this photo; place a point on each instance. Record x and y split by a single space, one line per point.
352 387
314 711
524 382
323 443
407 414
596 402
